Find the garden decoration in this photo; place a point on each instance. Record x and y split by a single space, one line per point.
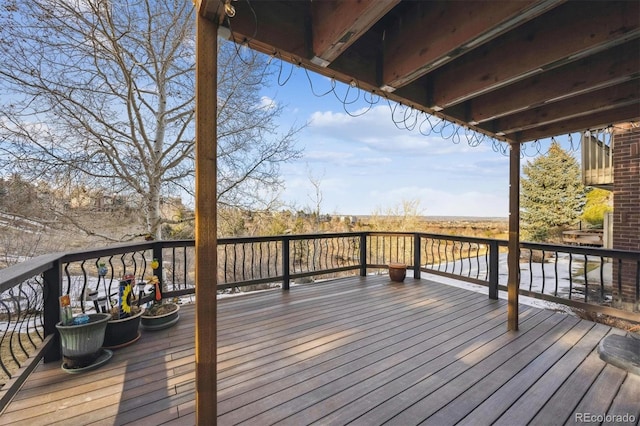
101 303
81 339
159 315
102 269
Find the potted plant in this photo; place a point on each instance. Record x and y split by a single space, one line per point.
159 315
81 338
397 272
122 327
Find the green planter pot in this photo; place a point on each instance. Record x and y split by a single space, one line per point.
82 343
161 321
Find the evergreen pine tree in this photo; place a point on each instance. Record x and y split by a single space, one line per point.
598 203
552 195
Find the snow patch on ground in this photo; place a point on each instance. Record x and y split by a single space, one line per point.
529 301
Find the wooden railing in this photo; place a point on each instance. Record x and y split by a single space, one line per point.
592 279
597 159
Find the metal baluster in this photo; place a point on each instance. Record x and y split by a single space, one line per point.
555 293
586 279
570 276
543 275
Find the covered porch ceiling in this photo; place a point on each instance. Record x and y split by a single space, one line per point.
514 70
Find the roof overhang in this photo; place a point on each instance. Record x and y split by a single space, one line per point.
515 70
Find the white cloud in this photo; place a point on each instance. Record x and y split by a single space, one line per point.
344 159
370 163
446 203
267 103
379 189
376 129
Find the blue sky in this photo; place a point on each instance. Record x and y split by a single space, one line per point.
365 164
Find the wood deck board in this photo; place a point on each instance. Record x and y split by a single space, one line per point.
417 365
139 369
341 326
304 317
351 351
383 401
458 376
571 391
522 372
332 317
347 340
361 350
598 398
529 402
306 386
627 401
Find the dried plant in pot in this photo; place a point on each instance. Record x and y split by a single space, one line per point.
160 314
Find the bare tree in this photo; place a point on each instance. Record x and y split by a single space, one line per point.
403 217
103 92
317 196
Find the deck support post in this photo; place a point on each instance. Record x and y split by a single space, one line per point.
206 267
494 265
363 254
514 237
53 283
286 261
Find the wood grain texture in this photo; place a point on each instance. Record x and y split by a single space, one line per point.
357 349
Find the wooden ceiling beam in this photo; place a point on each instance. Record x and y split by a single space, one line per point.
337 24
534 47
588 103
579 124
270 26
566 52
604 69
366 74
440 31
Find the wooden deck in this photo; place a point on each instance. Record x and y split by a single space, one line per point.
356 350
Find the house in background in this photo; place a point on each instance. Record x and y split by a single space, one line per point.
611 161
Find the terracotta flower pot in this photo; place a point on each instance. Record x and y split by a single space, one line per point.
397 272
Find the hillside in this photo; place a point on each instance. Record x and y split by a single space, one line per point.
23 237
